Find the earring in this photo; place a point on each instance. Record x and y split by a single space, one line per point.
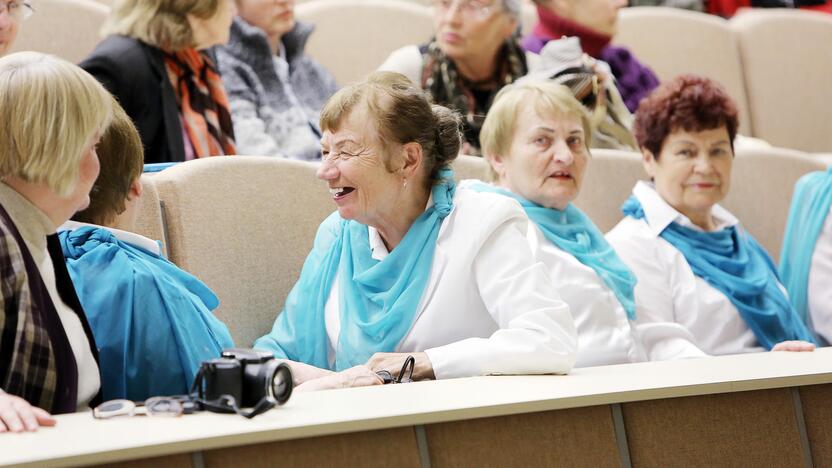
404 184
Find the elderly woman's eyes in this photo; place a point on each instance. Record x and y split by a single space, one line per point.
575 141
542 141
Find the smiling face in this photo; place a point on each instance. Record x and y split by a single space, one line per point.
354 169
471 30
547 158
274 17
693 170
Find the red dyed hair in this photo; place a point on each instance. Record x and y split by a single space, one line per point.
688 102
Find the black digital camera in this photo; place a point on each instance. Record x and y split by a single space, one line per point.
250 376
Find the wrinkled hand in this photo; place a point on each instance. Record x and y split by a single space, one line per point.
17 415
358 376
794 346
392 363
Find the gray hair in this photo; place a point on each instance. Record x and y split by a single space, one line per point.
513 7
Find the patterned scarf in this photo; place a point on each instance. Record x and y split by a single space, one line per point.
203 103
471 99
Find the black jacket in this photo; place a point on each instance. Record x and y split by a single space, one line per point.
135 74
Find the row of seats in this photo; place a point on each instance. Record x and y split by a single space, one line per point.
251 257
772 62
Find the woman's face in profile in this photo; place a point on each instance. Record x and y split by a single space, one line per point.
87 173
693 170
547 158
468 29
274 17
353 166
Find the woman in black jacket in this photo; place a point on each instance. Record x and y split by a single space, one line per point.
156 62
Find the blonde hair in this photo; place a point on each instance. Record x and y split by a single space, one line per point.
547 98
52 111
160 23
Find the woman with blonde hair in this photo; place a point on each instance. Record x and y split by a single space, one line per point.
48 164
156 61
536 138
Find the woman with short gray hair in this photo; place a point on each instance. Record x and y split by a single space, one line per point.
474 53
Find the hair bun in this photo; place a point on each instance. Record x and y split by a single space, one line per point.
448 139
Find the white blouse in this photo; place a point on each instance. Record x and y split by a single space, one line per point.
604 333
680 314
819 289
489 307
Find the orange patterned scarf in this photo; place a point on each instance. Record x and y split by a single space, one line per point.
203 104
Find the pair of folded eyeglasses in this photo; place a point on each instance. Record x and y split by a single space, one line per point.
157 406
407 369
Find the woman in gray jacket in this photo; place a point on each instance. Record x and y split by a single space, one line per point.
276 92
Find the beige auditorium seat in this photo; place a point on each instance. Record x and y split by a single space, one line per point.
673 41
787 57
353 37
608 182
244 226
150 221
470 167
762 183
66 28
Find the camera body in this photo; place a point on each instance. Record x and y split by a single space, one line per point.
248 375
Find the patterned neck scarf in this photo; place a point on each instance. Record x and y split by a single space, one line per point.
203 104
471 99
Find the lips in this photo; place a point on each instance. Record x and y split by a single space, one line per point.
340 192
561 175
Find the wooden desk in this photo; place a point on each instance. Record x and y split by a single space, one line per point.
766 408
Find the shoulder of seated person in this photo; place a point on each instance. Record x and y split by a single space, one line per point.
486 208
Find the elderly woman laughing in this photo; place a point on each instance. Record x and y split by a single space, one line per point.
409 265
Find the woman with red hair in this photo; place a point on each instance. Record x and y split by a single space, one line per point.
706 285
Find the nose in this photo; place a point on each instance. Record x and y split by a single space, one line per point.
703 164
562 153
328 170
6 19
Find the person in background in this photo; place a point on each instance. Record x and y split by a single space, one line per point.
410 266
696 266
472 55
806 256
156 61
48 357
276 91
153 322
12 13
594 22
536 138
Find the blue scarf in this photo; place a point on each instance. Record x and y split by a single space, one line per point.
378 299
810 207
734 263
151 320
573 232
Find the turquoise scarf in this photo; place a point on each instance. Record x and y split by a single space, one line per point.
573 232
734 263
810 206
378 299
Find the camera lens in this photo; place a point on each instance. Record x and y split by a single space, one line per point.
282 384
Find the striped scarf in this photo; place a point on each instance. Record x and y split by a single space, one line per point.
203 103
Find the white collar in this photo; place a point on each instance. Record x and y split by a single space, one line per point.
659 214
131 238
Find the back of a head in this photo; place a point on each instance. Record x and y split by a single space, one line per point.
121 155
547 97
160 23
688 102
53 112
400 113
